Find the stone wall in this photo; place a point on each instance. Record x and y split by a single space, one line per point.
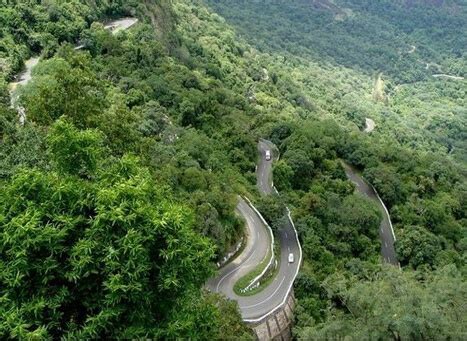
277 326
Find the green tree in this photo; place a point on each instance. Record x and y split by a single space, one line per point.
272 209
416 246
394 305
302 166
20 146
64 85
388 183
119 124
207 317
282 173
73 151
101 257
193 179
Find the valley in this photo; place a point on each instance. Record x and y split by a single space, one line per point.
233 170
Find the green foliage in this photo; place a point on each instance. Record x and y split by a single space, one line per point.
394 305
282 174
29 27
388 182
96 242
73 151
208 316
344 30
416 246
64 85
93 258
272 209
20 146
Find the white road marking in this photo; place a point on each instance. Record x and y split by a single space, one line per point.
222 279
231 272
385 244
264 178
267 299
254 251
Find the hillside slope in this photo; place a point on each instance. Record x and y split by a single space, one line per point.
119 192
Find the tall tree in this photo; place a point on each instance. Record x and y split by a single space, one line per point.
94 256
394 305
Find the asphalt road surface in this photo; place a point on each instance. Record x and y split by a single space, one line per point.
264 168
258 242
256 306
387 239
121 24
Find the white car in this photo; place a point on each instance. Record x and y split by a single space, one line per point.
268 155
290 257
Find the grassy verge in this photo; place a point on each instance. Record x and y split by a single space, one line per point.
245 280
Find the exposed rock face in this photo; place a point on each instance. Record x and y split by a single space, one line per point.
378 89
264 75
369 125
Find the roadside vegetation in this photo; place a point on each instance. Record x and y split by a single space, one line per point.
118 195
241 285
415 157
115 203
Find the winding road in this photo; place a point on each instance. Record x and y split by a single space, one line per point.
255 307
442 75
386 231
25 76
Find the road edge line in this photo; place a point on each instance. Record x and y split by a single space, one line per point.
298 267
385 210
291 283
271 261
289 216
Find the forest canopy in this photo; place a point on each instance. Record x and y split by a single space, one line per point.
118 192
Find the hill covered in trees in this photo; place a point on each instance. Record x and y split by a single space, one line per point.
347 60
348 44
118 194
